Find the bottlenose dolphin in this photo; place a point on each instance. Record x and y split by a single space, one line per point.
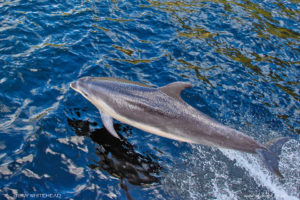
163 112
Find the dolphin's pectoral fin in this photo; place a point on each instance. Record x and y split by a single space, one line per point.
174 89
108 124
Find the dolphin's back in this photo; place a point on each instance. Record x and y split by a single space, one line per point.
152 110
143 105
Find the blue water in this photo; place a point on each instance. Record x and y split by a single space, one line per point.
241 56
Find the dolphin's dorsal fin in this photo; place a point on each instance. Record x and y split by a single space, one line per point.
174 89
108 123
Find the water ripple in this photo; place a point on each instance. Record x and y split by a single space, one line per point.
241 56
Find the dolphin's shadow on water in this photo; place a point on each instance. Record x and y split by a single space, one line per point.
117 157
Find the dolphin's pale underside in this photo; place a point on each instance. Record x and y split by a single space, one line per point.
161 111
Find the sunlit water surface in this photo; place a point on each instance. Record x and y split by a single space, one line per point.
241 56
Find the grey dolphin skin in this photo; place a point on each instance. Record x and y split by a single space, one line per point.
161 111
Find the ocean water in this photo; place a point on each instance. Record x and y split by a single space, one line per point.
241 56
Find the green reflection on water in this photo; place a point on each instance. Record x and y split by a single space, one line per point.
175 6
134 61
237 56
196 70
121 49
260 20
101 28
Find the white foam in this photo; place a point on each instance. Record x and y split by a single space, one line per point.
256 169
210 173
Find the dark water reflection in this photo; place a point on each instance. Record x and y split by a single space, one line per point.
241 56
118 157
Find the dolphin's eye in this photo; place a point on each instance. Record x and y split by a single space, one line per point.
85 94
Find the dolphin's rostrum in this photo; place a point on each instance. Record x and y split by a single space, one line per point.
161 111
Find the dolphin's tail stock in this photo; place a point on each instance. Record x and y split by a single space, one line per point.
270 155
